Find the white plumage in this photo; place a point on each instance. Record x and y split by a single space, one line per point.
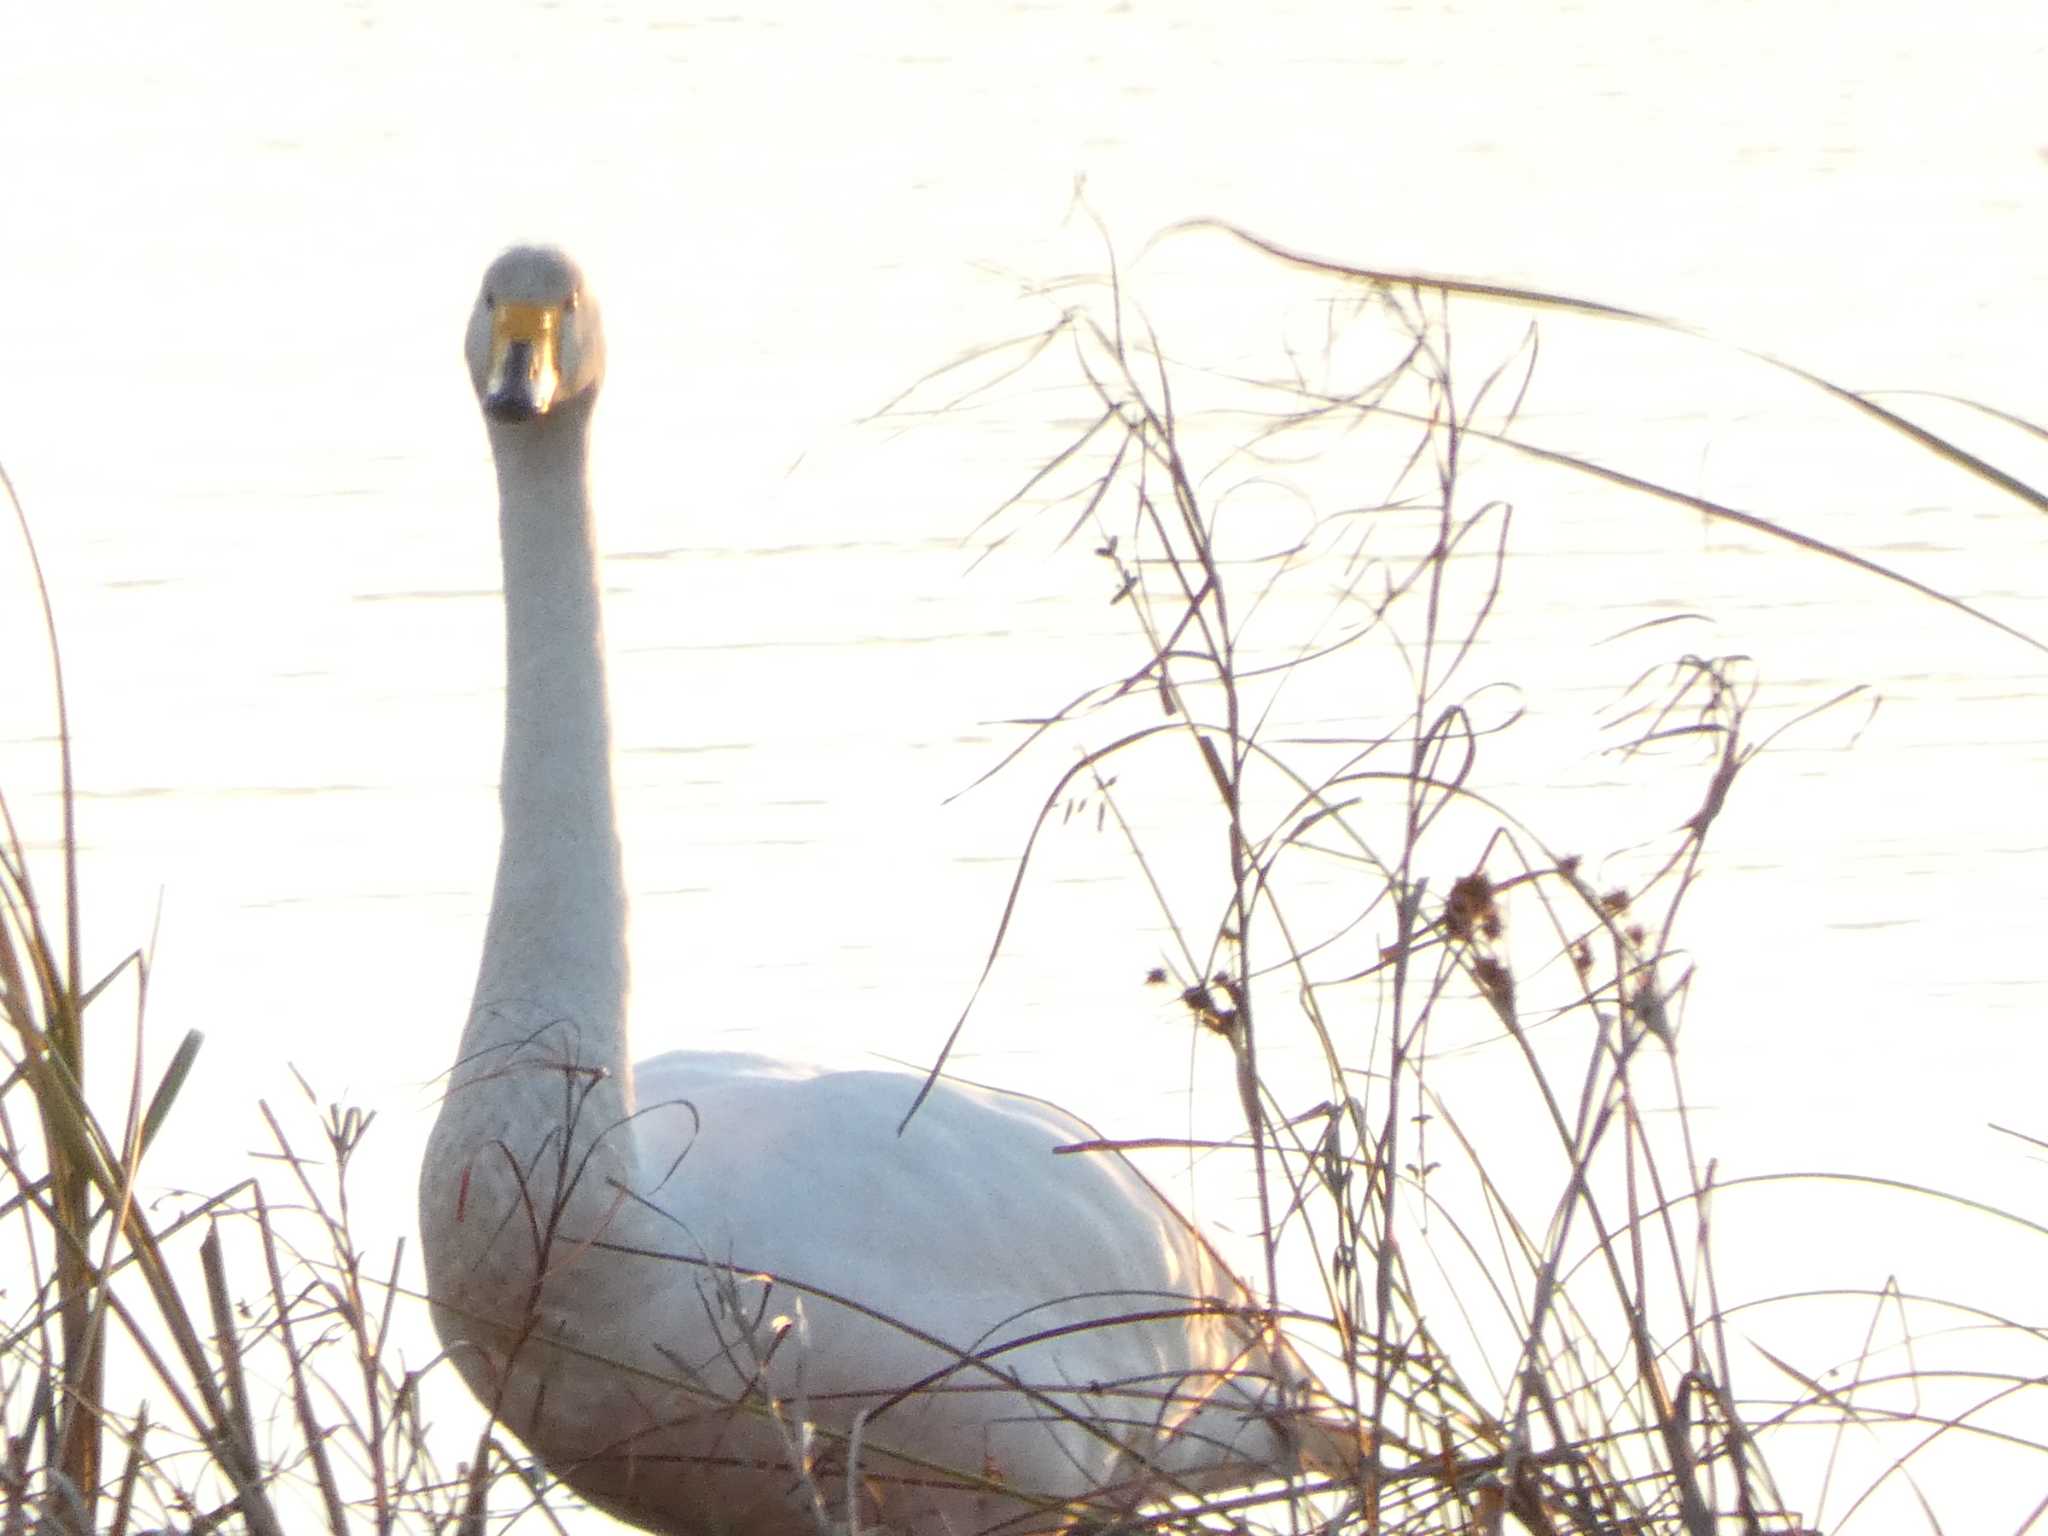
704 1288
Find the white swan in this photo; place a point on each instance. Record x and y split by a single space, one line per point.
681 1282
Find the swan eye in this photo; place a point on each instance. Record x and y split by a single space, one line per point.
490 299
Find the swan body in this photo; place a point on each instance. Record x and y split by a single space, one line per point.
720 1294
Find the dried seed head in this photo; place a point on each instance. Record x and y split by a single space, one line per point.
1471 909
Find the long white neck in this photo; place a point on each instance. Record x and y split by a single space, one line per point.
553 979
534 1151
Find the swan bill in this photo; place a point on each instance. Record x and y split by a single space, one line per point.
524 377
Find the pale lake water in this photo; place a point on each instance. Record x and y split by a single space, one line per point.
237 247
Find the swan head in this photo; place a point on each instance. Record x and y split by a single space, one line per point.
535 341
